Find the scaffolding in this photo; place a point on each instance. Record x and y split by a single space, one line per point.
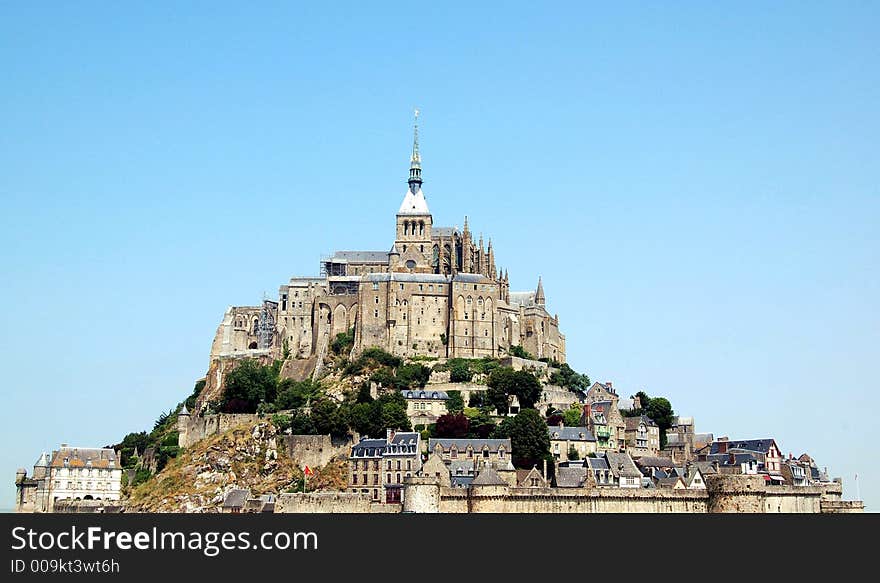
266 324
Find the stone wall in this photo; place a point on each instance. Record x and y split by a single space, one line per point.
192 429
315 450
331 502
571 500
87 507
742 494
749 494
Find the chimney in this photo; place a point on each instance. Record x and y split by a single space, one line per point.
732 458
722 446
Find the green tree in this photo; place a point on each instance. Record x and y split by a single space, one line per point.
527 388
566 377
529 438
572 417
460 371
455 403
249 384
521 352
660 410
412 375
293 394
328 418
393 407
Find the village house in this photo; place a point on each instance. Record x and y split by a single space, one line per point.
70 473
531 479
565 441
494 452
642 436
623 470
766 453
424 407
606 424
378 466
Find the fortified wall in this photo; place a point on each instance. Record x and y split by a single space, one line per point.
310 450
332 502
741 494
194 428
425 495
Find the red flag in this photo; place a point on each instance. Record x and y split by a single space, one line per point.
308 471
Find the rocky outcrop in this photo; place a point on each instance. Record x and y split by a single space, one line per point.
246 456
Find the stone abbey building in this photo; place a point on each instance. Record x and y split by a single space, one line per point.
436 292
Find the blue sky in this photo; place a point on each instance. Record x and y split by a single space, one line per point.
696 184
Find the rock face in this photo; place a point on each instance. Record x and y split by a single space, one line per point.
248 456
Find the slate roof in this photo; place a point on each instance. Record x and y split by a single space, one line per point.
462 467
488 477
403 443
84 457
462 444
597 463
759 445
461 481
442 231
654 462
522 298
570 477
422 394
668 482
723 459
236 498
622 465
633 422
469 277
368 448
570 433
705 467
360 256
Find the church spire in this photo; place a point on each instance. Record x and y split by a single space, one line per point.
539 294
415 161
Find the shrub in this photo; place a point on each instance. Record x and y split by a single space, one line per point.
281 422
521 352
343 342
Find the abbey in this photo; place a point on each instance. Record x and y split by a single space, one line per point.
435 292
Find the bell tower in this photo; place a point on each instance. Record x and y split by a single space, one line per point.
414 220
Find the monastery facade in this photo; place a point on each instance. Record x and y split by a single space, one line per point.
435 292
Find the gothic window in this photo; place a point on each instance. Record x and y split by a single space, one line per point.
410 264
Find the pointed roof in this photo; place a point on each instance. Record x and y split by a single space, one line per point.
539 294
415 160
488 477
414 204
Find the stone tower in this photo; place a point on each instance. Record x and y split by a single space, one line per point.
414 220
